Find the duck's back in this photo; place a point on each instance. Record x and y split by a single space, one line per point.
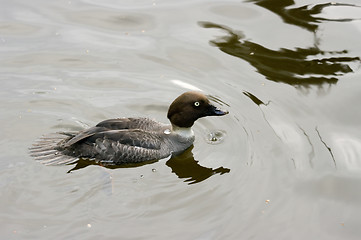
143 124
131 123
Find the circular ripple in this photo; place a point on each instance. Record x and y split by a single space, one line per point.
215 137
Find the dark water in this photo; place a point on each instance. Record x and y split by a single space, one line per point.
284 164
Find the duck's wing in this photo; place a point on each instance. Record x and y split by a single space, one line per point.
133 126
83 135
122 146
110 124
118 123
131 123
134 138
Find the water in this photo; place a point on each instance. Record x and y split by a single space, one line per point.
284 164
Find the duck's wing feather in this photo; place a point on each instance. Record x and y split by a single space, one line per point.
110 124
131 123
121 146
134 126
135 138
82 135
118 123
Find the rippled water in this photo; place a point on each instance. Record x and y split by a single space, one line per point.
284 164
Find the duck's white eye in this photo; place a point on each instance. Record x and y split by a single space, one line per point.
196 104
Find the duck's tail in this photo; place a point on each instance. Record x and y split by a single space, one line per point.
47 149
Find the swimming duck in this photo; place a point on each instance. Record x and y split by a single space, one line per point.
129 140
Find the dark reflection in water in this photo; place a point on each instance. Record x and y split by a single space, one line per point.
301 16
254 99
299 67
83 163
183 165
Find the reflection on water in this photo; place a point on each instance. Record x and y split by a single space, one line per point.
300 16
254 99
299 67
183 165
83 163
294 158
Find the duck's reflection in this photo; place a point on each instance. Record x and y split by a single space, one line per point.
186 167
183 165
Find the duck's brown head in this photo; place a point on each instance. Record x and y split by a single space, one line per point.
190 106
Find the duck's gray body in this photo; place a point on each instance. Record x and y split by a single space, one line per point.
128 140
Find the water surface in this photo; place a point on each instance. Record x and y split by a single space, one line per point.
284 164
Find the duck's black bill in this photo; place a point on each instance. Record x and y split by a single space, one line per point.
214 111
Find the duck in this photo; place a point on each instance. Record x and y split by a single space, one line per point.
129 140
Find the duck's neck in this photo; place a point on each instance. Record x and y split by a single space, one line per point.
183 132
